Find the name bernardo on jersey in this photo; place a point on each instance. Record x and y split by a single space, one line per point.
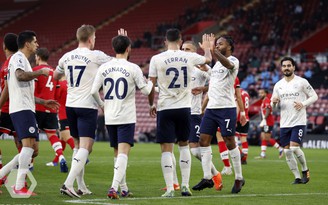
176 59
115 69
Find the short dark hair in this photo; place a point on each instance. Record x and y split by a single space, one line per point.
10 42
173 34
230 41
120 44
43 53
25 36
287 58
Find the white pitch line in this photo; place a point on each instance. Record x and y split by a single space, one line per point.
105 201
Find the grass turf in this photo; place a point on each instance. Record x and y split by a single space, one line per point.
268 181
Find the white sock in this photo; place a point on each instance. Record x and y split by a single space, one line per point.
276 145
56 146
263 150
196 152
80 180
78 164
74 153
206 153
291 161
9 166
23 161
185 164
167 168
300 156
123 184
224 155
119 170
236 163
245 150
175 176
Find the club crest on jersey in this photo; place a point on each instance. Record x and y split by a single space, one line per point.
31 129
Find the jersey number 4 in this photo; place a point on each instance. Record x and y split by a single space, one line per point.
49 83
176 72
79 69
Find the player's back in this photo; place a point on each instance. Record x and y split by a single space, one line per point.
173 69
120 78
80 67
45 88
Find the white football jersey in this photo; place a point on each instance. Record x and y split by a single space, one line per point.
119 79
198 79
221 92
80 67
21 93
298 89
173 70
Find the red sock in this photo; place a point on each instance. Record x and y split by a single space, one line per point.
55 143
244 145
63 143
70 142
223 148
272 141
56 159
264 143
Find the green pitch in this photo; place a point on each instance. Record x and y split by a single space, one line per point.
267 180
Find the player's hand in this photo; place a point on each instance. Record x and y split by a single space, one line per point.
197 90
205 42
152 111
275 100
212 41
122 32
203 67
298 105
243 120
52 104
45 71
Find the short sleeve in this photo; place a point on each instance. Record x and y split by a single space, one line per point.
18 62
60 66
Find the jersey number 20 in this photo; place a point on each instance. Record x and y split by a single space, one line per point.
116 85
